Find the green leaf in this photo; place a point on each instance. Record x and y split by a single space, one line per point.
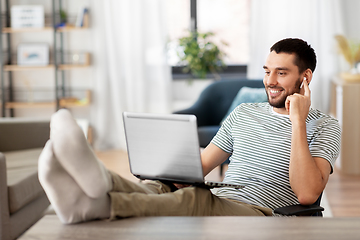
200 55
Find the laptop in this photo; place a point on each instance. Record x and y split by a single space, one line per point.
165 147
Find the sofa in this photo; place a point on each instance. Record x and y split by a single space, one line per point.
22 199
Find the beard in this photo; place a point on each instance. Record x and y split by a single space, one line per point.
280 102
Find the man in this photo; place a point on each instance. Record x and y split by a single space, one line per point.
282 150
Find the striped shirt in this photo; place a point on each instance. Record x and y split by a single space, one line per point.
260 143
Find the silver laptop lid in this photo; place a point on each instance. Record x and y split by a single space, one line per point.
163 146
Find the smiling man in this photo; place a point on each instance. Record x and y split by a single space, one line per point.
282 150
285 71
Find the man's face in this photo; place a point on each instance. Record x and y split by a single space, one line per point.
281 78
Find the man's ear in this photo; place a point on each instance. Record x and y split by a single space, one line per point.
308 75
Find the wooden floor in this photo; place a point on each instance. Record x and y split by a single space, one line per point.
343 192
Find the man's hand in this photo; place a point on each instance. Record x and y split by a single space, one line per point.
298 104
308 175
179 186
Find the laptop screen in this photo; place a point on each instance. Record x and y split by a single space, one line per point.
163 146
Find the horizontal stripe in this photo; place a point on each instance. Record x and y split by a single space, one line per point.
260 144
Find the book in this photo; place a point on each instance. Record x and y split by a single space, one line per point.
82 17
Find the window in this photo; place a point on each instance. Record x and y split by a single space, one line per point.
178 23
228 19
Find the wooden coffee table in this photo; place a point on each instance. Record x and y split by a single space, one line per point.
222 228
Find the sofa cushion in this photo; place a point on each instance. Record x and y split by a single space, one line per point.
22 177
247 95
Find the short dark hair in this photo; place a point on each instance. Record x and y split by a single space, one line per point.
305 54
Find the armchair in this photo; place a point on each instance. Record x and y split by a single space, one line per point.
212 105
314 210
22 199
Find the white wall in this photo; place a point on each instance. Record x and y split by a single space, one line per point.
351 15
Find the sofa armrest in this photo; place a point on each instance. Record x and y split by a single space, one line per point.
4 206
23 134
191 110
199 110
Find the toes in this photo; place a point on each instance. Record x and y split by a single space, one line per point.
63 123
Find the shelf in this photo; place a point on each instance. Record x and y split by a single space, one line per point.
70 28
18 105
44 29
64 103
17 68
68 105
72 66
26 68
23 105
74 102
23 30
59 61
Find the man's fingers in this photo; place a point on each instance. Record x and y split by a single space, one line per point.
287 104
179 186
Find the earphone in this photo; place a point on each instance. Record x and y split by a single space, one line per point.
302 83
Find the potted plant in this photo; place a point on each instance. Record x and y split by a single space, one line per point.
351 53
200 55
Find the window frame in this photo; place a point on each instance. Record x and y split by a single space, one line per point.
231 71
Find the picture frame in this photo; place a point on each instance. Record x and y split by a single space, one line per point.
33 54
27 16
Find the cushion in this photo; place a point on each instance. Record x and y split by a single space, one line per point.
247 95
22 178
22 158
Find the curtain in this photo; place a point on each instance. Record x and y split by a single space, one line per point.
131 72
315 21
